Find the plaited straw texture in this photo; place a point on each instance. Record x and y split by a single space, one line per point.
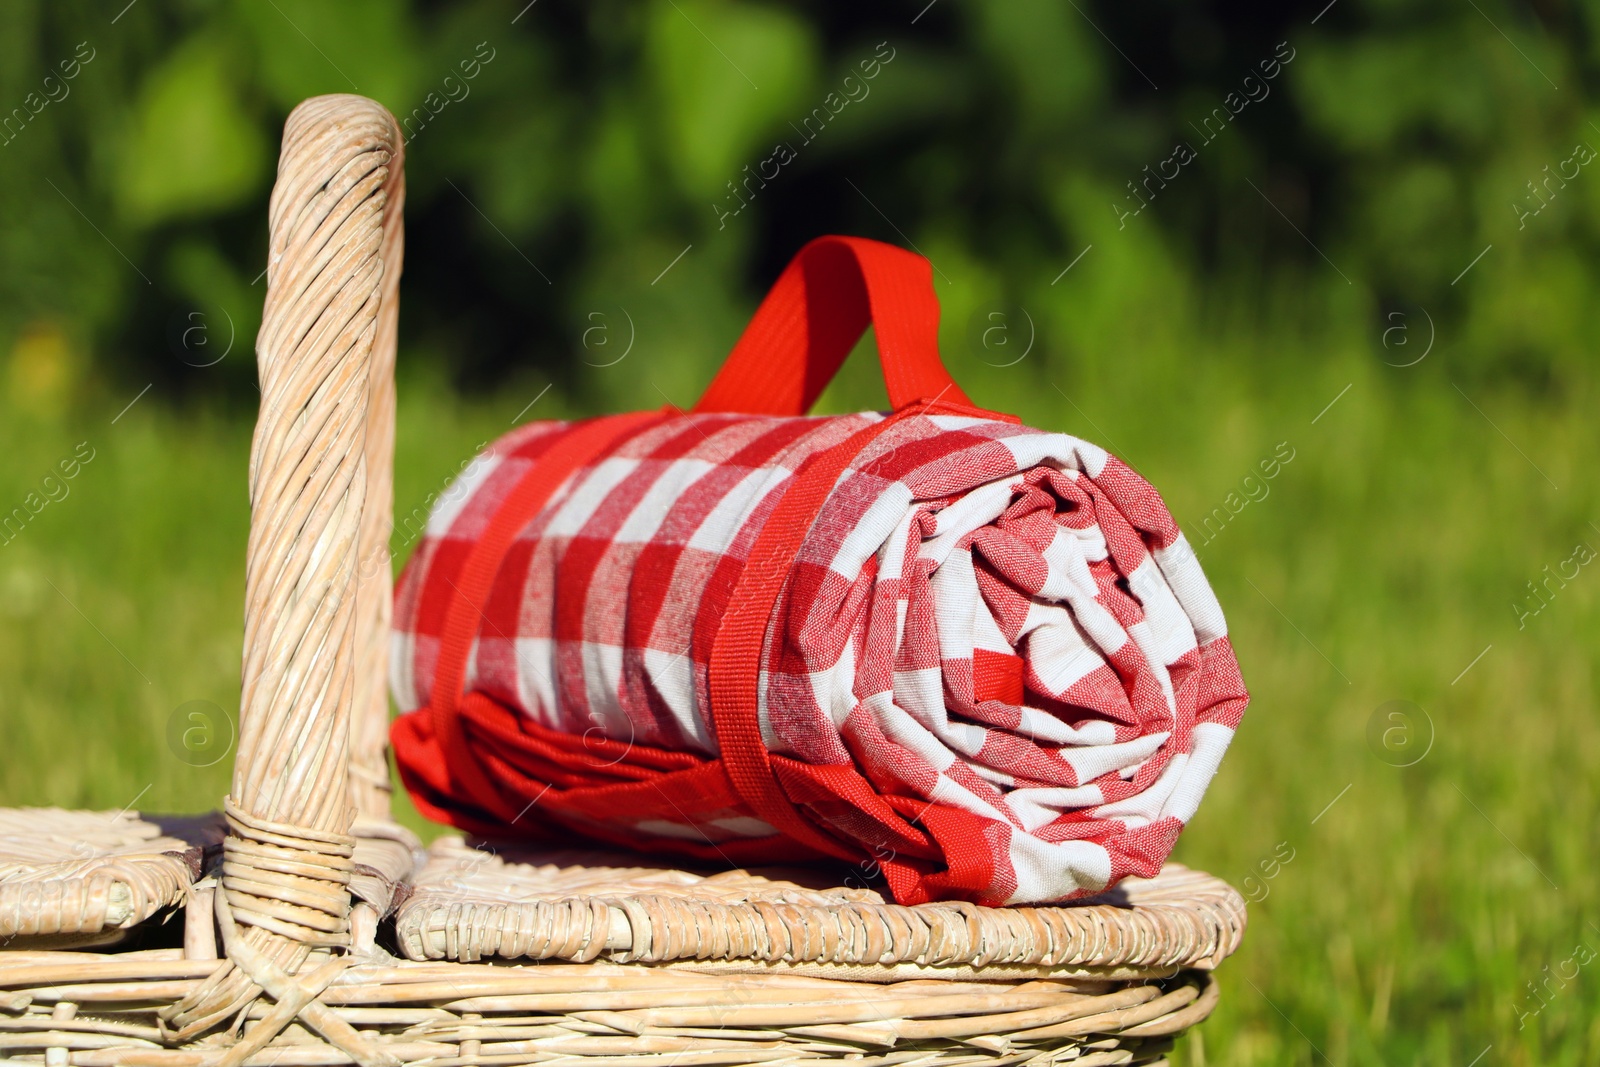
385 857
83 876
609 1015
287 868
470 904
369 737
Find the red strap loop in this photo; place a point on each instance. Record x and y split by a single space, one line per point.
816 312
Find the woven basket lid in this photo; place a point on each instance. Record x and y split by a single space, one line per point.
515 902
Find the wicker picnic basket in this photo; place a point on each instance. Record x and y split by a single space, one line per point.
315 930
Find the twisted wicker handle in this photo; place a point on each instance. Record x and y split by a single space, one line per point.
369 736
320 467
320 499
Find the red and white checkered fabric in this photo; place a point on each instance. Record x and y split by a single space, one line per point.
994 672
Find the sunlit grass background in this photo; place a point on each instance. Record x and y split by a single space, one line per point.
1420 902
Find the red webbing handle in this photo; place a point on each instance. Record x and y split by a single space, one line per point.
816 312
734 671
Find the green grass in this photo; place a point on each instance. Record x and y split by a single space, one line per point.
1417 908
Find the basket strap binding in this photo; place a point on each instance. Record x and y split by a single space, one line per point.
736 667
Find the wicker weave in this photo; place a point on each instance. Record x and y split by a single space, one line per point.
284 895
86 877
470 903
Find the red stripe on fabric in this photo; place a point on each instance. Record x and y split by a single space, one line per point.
1220 694
996 676
591 757
662 786
1136 498
1140 852
976 852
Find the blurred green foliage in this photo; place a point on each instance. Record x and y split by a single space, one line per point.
1382 261
561 156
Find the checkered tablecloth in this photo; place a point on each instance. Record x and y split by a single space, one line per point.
993 670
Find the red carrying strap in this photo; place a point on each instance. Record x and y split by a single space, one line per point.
816 312
827 296
734 673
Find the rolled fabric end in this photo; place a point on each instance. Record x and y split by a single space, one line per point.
994 670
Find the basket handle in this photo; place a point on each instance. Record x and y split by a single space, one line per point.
326 407
321 446
817 310
370 786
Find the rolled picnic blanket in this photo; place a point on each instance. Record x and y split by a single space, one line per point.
977 659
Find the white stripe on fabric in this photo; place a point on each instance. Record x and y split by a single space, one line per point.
1043 726
1056 450
662 828
863 540
448 507
954 589
535 679
921 694
1046 871
907 732
723 523
947 791
1068 572
579 506
1058 650
1056 799
1147 806
671 674
602 677
1090 763
986 633
959 422
403 670
977 508
1208 743
1171 632
1188 582
643 524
